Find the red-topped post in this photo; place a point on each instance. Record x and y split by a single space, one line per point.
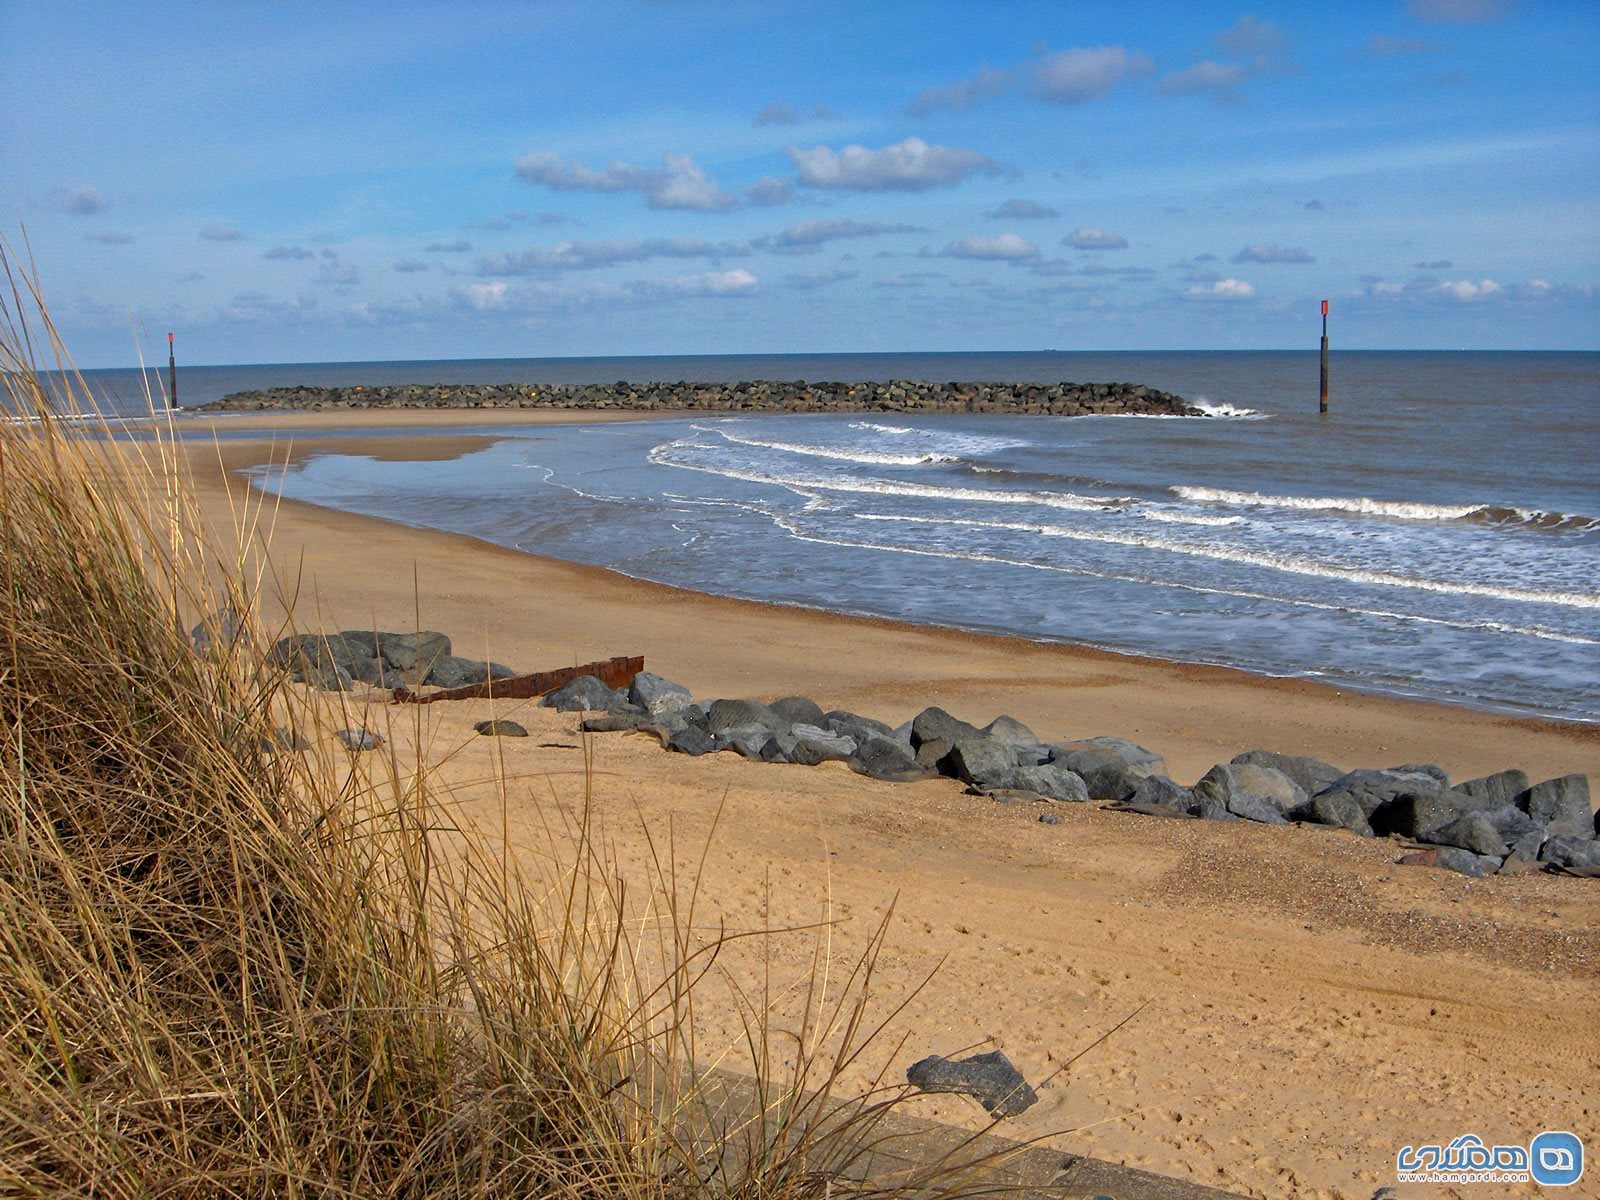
1324 407
172 372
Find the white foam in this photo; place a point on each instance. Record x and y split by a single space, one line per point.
874 427
1361 505
1275 562
1534 631
888 487
873 457
1171 517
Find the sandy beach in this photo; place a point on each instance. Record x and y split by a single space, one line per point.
1311 1006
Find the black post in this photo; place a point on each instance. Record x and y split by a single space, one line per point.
172 372
1324 406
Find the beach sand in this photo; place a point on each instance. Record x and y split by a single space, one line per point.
1310 1007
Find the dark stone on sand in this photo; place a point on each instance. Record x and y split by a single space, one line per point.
990 1079
980 761
814 744
1465 862
1471 832
1561 805
1572 855
618 722
1254 793
654 694
723 715
1210 810
1311 774
500 728
1338 809
451 671
934 724
1497 790
798 710
216 632
855 725
1049 779
886 759
1412 814
1162 791
1517 829
691 740
584 694
1011 731
1110 767
356 740
408 652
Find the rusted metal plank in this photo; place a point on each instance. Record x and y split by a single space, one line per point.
613 672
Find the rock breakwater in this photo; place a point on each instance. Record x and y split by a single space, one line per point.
900 395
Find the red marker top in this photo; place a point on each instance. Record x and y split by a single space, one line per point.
1324 313
1324 307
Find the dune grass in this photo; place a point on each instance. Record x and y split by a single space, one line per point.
230 969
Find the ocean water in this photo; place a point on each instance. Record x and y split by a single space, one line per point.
1436 535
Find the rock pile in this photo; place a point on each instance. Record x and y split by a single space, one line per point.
1498 824
337 662
900 395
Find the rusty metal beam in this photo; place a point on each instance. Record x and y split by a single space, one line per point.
613 672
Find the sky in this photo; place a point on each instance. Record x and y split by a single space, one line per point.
284 182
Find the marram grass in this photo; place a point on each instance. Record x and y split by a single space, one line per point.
229 971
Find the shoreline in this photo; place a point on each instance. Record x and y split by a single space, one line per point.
1313 698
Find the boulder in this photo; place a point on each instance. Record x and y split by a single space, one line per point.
885 758
1471 832
356 740
1110 767
723 715
500 728
1049 779
1497 790
1210 810
1572 855
449 671
932 752
618 722
980 761
216 632
1311 774
855 725
1561 805
692 741
813 745
1011 731
1338 809
1517 829
798 710
584 694
1412 814
654 694
989 1078
374 672
1164 792
1465 862
1373 789
1261 794
933 724
329 678
1435 773
408 652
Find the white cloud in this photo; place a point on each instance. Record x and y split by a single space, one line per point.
769 190
962 94
1095 239
1223 289
1260 253
1021 210
1005 247
1073 76
804 237
79 201
485 296
218 232
1466 290
1206 77
580 256
737 282
677 183
912 165
1458 12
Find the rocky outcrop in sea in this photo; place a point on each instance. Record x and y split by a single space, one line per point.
900 395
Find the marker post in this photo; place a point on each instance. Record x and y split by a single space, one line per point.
172 373
1324 405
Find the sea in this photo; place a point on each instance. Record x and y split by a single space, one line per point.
1435 535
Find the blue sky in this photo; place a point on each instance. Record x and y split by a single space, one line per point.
289 182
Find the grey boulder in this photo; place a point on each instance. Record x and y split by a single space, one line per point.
1497 790
1254 793
1311 774
450 671
1472 832
1048 779
1465 862
989 1078
359 739
500 728
934 724
980 761
1572 855
584 694
1109 766
723 715
1011 731
798 710
1561 805
886 759
656 695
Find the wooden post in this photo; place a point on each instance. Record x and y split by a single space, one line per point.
1324 405
172 373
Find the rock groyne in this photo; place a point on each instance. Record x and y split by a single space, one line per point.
1053 399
